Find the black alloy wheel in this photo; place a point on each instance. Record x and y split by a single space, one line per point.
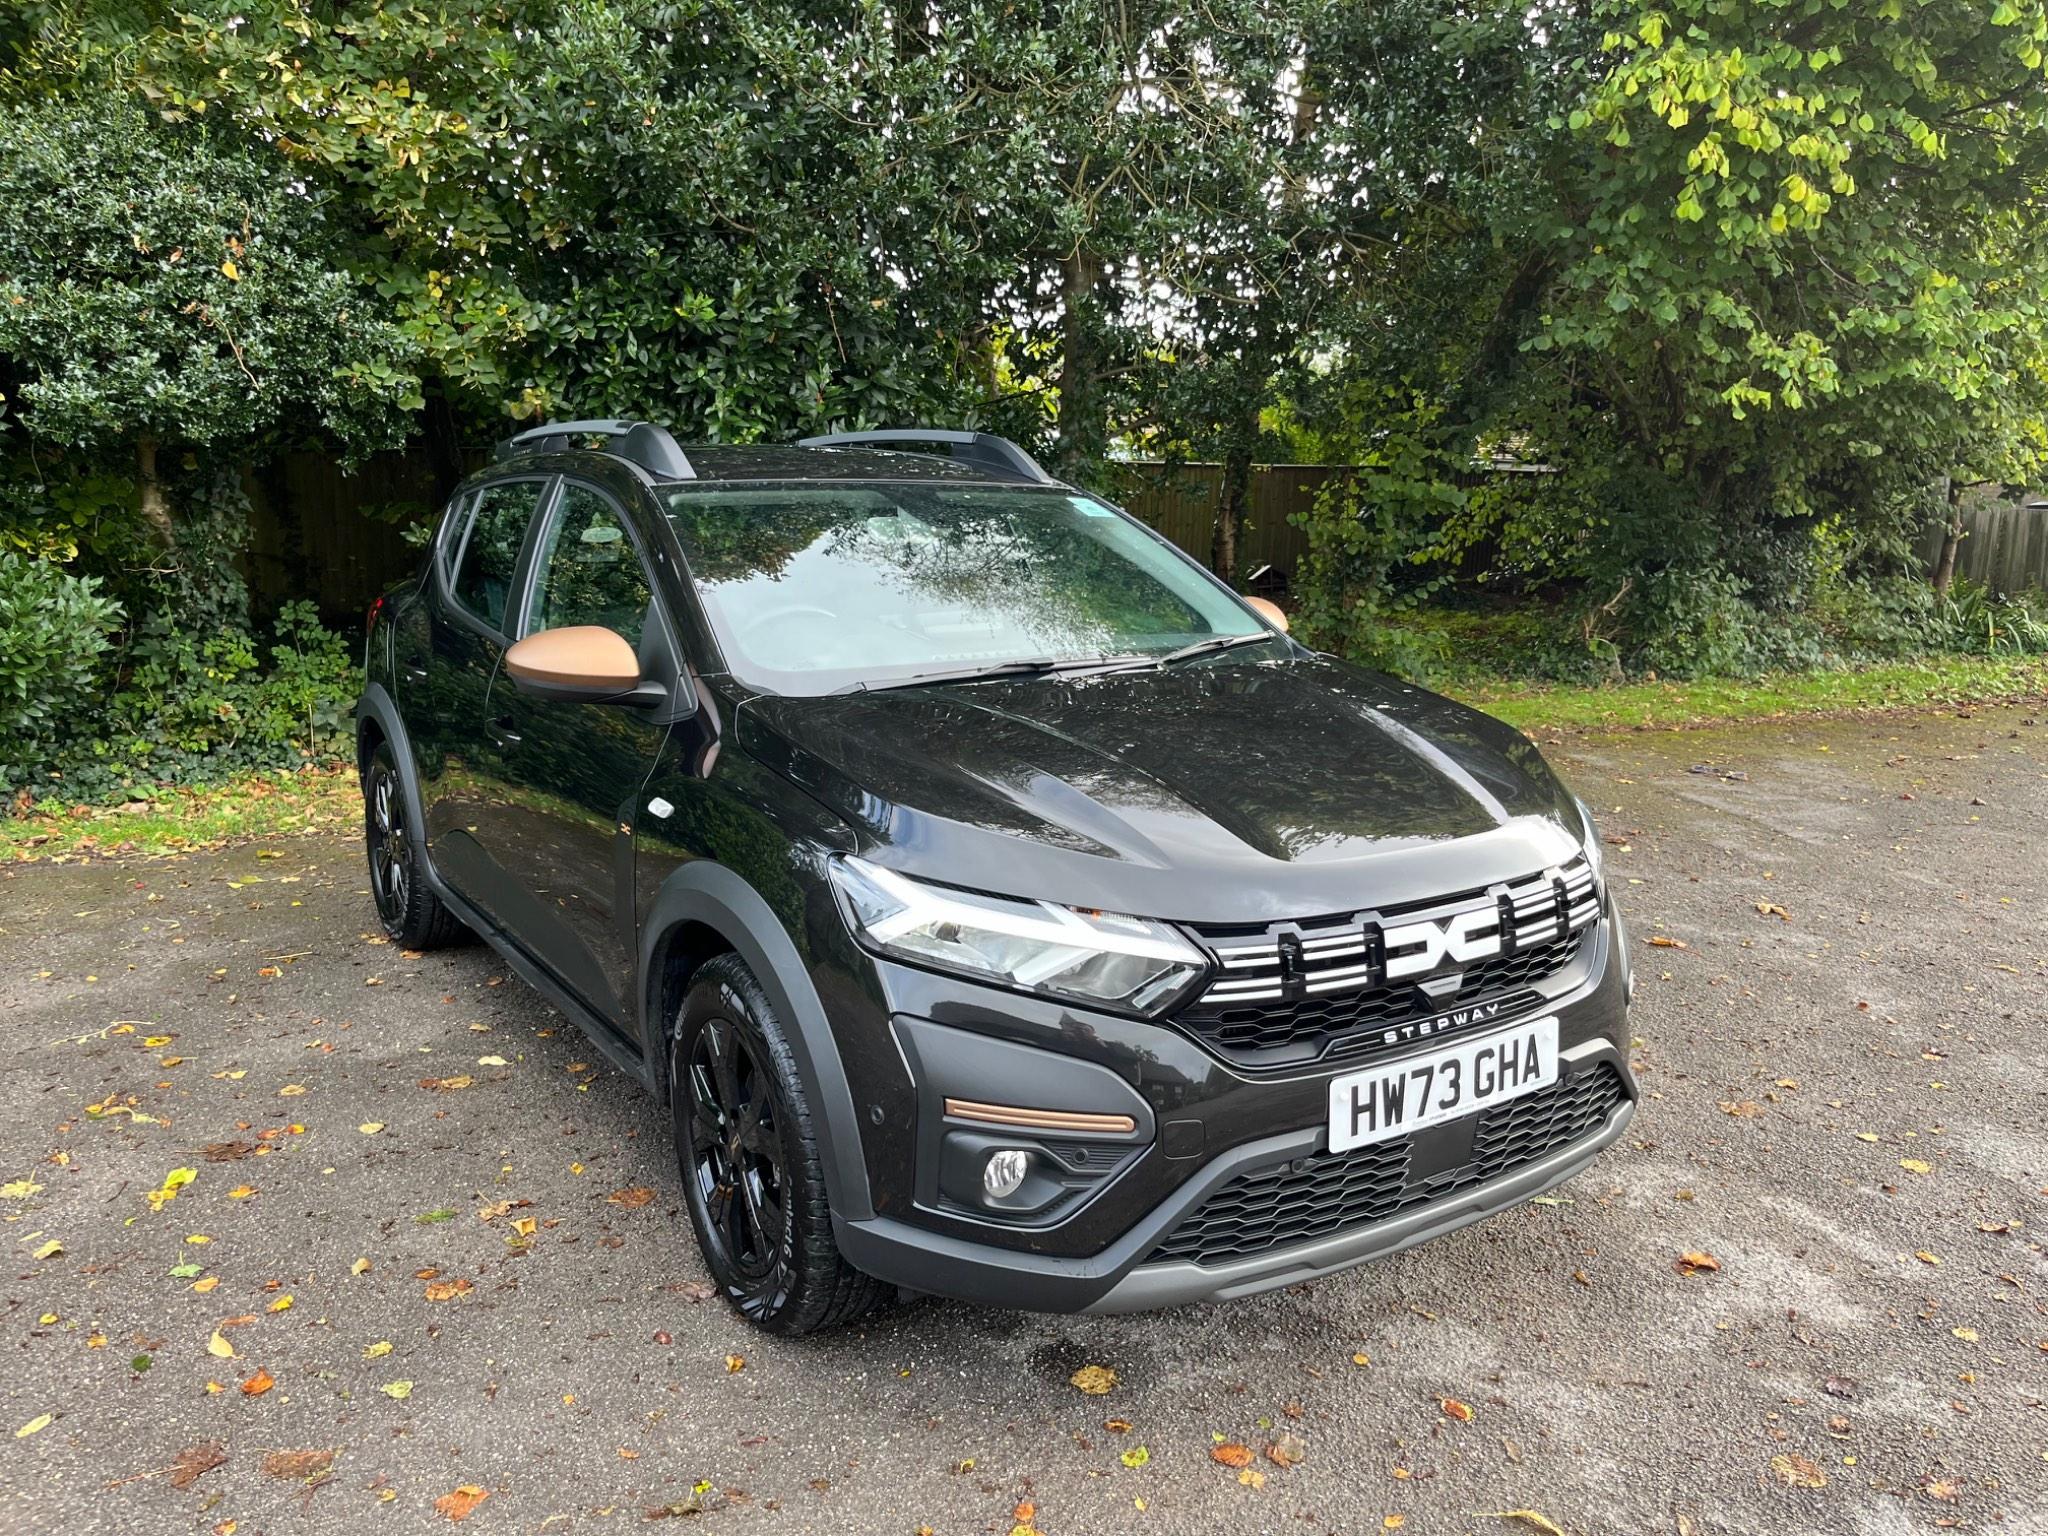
752 1176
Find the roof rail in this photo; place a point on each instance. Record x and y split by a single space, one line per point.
637 442
984 449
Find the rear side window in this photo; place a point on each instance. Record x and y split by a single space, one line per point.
589 571
489 552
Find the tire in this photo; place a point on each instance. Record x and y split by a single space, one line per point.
412 914
752 1177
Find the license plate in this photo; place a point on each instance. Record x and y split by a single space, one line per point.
1441 1085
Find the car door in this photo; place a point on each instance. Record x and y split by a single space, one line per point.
471 609
570 773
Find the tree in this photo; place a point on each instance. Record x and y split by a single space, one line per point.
165 288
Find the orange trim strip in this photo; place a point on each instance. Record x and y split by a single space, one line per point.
1040 1119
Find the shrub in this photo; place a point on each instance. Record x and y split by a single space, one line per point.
53 632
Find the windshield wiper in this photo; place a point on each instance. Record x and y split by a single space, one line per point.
1019 668
1212 643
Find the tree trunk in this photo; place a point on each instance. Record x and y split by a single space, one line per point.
1230 500
155 510
1084 436
1952 540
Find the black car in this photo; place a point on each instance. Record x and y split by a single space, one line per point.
1002 906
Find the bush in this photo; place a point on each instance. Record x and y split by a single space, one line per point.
53 632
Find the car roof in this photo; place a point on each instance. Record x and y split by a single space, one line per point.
784 463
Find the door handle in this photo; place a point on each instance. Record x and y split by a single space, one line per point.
502 732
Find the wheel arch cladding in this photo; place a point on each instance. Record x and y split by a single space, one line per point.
704 898
377 720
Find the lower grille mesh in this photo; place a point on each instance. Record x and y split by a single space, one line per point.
1332 1192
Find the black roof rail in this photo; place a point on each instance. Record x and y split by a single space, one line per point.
637 442
984 449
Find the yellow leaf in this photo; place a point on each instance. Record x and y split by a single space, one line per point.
378 1350
735 1363
40 1422
230 271
399 1390
291 1090
371 1127
360 1267
1095 1380
219 1347
241 1191
20 1189
1527 1516
1361 1358
1914 1165
282 1304
50 1250
1136 1456
205 1283
1393 1522
157 1042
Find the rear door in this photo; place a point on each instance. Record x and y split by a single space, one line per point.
561 828
471 610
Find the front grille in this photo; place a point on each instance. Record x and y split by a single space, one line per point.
1287 993
1331 1192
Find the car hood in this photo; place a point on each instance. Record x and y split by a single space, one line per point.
1221 791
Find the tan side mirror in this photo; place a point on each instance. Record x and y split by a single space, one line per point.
1270 611
583 663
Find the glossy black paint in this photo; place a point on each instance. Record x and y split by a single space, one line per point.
1255 785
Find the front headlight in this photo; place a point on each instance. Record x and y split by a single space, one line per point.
1100 958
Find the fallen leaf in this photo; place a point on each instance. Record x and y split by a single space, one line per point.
34 1426
1915 1165
492 1061
1136 1456
1117 1426
202 1286
1393 1522
1462 1412
1693 1263
1743 1109
1361 1358
49 1250
241 1191
459 1505
1287 1451
1095 1380
1231 1454
1925 1257
1660 942
1252 1477
298 1466
1527 1516
291 1090
1772 909
360 1267
1798 1471
447 1084
632 1199
282 1304
218 1346
195 1461
258 1384
371 1127
398 1390
378 1350
448 1290
735 1363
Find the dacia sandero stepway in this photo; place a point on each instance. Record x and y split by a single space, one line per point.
1000 906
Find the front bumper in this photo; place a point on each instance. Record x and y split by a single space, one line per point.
1118 1280
1201 1126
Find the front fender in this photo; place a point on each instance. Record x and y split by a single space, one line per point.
708 893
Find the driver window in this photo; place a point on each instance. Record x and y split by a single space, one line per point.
589 571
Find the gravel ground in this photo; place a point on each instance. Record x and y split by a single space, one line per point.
1846 1095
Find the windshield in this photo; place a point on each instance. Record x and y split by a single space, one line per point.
816 588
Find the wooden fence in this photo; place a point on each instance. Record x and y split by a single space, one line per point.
2005 543
337 538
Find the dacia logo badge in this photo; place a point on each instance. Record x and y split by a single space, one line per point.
1459 939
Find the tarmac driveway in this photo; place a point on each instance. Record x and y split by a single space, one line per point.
431 1263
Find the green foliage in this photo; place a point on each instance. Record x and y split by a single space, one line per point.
161 283
53 631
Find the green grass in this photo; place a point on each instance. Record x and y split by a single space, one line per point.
257 806
1931 682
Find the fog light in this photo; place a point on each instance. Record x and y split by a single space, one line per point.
1003 1174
